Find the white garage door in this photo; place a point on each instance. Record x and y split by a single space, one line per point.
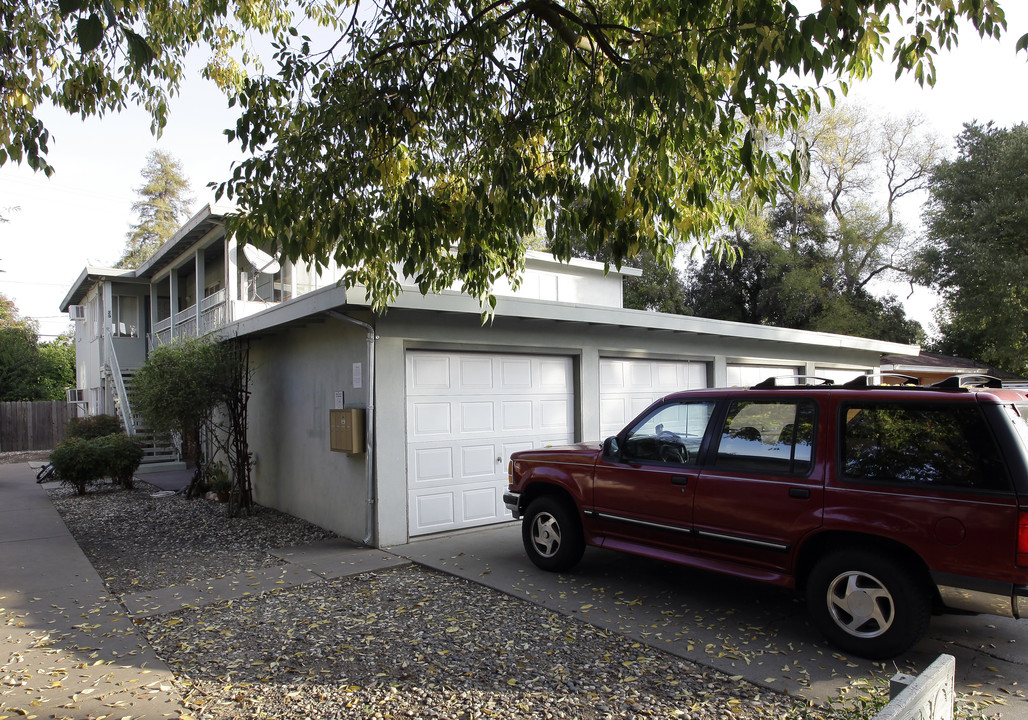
628 386
466 413
750 375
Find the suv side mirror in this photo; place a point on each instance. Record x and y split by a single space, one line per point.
611 448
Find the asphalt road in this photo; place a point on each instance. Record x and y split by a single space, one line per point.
758 632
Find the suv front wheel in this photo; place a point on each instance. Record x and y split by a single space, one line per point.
866 604
552 534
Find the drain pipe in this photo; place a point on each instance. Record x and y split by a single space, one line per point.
369 426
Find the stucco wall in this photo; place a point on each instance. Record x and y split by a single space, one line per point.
296 375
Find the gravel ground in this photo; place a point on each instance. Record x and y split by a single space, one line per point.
403 643
137 542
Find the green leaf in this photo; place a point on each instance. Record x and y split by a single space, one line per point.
140 51
67 7
746 154
90 32
1022 43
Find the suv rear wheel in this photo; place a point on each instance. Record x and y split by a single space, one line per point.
866 604
552 534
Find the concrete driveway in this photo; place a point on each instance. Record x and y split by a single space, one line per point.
758 632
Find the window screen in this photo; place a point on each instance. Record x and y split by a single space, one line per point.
125 316
768 436
937 445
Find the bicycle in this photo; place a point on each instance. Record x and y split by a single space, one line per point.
47 472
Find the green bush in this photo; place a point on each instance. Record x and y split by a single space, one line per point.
94 426
78 463
81 462
121 455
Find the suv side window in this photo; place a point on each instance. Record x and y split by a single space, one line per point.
672 433
930 444
768 436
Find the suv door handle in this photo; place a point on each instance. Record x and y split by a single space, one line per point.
679 480
799 493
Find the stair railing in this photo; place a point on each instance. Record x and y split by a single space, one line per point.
119 386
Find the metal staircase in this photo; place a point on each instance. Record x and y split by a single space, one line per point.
157 449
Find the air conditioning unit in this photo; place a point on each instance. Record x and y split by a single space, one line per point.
77 312
76 396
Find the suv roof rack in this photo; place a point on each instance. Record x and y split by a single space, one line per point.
965 381
771 382
864 381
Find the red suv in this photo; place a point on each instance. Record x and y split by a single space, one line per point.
881 503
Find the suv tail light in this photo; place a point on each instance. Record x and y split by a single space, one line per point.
1022 539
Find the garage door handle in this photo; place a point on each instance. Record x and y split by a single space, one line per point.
799 493
679 480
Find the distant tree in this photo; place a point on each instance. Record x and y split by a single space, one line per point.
57 367
808 262
28 370
786 276
861 167
661 288
977 250
163 202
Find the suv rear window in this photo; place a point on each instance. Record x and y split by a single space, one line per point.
936 445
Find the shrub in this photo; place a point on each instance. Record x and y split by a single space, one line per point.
78 463
121 456
94 426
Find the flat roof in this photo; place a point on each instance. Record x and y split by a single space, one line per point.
322 300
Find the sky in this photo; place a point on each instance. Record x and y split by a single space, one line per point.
80 215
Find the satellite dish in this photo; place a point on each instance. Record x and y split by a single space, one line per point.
262 261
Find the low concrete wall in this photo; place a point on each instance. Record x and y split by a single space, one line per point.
929 696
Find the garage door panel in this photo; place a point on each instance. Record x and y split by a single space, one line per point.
477 417
640 375
429 373
461 430
629 386
516 374
516 415
554 414
434 510
433 465
554 375
476 373
480 505
477 461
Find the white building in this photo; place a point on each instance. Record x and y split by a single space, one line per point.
446 398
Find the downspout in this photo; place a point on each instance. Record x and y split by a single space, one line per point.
369 426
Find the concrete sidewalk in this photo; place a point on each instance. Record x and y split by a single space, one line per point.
67 649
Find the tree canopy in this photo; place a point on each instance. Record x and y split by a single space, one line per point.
787 276
436 136
30 370
92 57
977 255
162 203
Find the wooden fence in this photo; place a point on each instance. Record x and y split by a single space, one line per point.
33 425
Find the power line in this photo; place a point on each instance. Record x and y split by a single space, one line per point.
33 282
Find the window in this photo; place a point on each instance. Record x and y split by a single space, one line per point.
672 434
768 436
936 445
125 316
